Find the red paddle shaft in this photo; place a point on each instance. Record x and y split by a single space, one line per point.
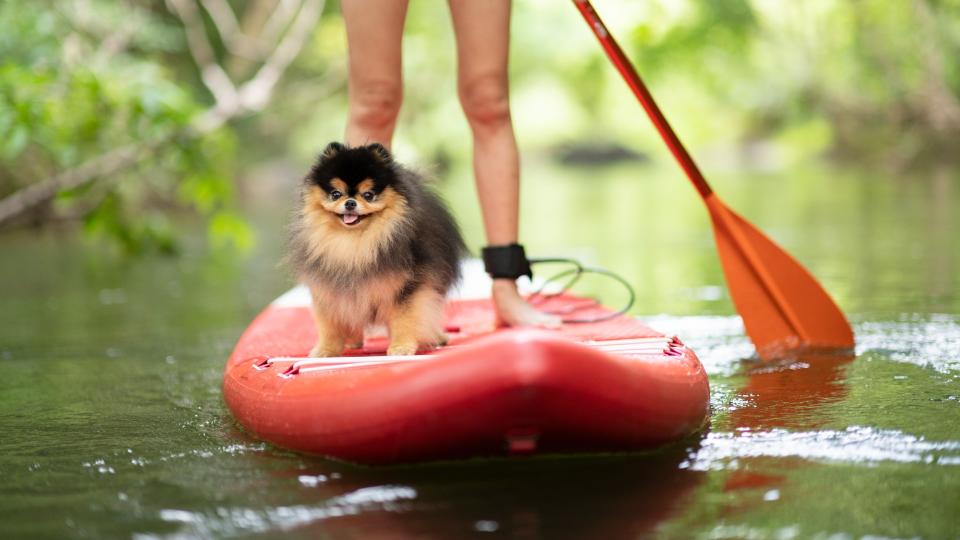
640 90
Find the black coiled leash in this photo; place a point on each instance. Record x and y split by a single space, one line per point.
510 262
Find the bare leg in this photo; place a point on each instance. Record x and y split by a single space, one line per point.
375 82
483 40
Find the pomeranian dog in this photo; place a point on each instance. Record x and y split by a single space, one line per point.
376 247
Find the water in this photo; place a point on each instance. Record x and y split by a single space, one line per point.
112 423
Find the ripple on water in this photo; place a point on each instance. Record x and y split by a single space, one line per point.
859 444
931 341
231 521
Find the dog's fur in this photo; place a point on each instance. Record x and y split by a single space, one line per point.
389 261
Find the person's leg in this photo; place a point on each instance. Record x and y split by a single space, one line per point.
483 36
375 82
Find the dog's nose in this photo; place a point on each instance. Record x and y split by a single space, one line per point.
350 204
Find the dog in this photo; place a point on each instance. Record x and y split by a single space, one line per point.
376 247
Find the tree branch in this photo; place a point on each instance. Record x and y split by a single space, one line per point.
229 103
223 17
211 73
237 42
103 165
255 93
279 20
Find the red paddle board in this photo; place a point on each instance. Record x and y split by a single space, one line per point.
615 385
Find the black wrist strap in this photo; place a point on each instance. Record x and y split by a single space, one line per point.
507 261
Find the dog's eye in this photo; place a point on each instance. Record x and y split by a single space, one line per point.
368 196
335 194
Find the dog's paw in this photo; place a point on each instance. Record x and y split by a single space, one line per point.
435 342
323 351
402 349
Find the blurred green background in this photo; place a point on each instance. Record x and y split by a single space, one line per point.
765 87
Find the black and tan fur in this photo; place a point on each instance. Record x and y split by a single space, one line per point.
389 261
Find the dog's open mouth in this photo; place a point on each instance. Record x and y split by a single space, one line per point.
352 218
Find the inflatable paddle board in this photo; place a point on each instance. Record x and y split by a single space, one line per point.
609 386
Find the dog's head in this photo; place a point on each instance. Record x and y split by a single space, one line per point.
356 187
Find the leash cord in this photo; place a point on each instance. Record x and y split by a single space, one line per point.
576 272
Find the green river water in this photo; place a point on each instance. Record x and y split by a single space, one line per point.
112 423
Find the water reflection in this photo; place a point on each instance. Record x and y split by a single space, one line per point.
605 497
788 394
792 393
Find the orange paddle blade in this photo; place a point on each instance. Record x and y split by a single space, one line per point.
782 305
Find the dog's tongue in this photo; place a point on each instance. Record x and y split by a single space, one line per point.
350 219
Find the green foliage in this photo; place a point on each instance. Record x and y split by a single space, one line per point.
880 73
864 80
75 85
853 79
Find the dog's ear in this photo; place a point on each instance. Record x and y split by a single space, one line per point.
331 150
380 152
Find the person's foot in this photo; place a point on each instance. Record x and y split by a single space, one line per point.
513 310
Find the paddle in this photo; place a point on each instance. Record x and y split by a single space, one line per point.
783 307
